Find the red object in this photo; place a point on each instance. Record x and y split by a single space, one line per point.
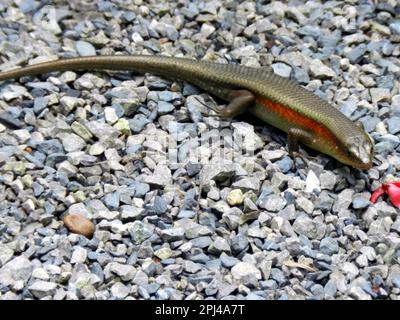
390 188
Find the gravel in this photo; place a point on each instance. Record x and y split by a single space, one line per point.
98 202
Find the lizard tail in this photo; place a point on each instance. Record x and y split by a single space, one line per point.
81 63
159 65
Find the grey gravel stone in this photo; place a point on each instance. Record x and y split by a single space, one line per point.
320 70
41 289
228 261
138 122
394 125
304 225
247 184
216 172
282 69
160 205
360 203
305 204
140 278
18 269
165 107
328 180
246 273
329 246
85 48
72 142
191 267
278 276
356 54
140 231
218 246
395 27
125 272
359 294
379 94
6 253
119 290
160 177
272 202
312 183
79 255
239 243
173 234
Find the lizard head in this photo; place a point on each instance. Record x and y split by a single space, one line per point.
360 149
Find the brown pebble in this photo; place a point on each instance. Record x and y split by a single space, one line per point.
77 223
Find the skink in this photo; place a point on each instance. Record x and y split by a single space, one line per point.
278 101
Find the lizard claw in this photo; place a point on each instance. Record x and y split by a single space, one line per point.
302 157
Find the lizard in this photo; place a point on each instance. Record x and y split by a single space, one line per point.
278 101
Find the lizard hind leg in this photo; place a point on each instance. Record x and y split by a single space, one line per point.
239 102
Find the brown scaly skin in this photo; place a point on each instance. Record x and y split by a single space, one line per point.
278 101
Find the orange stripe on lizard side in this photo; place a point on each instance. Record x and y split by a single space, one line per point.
296 118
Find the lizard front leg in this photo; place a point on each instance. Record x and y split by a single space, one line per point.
295 135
